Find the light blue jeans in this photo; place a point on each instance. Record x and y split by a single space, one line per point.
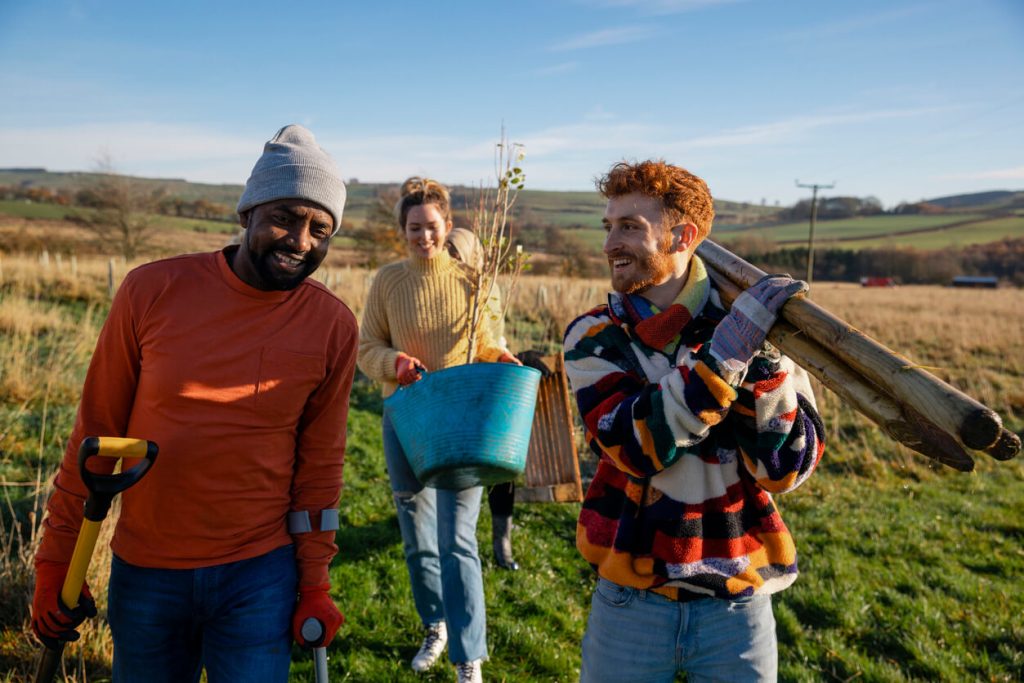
232 619
439 538
637 635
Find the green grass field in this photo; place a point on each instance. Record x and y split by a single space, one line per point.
579 214
981 232
905 576
20 208
55 212
909 573
826 231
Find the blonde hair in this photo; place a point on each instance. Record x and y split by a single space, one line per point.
467 247
417 191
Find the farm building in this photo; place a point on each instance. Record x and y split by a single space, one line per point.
980 281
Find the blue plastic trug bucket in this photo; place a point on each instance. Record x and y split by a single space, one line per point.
468 425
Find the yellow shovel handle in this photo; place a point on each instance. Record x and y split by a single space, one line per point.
84 547
120 447
108 447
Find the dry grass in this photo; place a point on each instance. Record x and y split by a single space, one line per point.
50 317
973 339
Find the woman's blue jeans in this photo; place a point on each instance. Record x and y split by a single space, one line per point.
640 636
233 619
439 538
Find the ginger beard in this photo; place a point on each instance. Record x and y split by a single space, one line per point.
644 270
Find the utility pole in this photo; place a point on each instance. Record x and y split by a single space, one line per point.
814 216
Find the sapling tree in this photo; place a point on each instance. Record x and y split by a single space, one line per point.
491 219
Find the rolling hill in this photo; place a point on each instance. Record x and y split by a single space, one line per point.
946 221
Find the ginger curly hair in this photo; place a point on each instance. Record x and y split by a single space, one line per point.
684 195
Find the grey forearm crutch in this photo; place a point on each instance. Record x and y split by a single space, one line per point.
312 631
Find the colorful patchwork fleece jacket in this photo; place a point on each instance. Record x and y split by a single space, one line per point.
681 502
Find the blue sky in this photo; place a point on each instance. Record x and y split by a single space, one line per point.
900 99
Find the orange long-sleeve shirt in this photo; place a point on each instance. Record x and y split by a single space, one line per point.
245 392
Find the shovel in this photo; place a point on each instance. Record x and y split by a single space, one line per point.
312 631
102 489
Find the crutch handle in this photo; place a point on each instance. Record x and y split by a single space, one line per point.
312 632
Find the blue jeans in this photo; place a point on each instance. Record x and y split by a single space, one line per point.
439 539
637 635
233 619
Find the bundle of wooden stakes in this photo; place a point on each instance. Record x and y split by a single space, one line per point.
909 404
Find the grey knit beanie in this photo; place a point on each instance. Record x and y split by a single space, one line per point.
293 166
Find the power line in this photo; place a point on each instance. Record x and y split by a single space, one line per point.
814 215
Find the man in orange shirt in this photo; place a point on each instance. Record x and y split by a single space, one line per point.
239 366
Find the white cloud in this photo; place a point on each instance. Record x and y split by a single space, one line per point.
564 156
1015 173
667 6
787 130
605 37
132 147
556 69
857 23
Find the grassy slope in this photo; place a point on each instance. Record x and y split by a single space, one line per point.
853 227
981 232
33 210
907 573
905 578
581 213
535 616
898 230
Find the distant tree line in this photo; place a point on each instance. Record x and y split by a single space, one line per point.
96 197
42 195
1003 259
830 208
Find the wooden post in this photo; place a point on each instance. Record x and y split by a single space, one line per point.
976 426
908 428
110 278
814 219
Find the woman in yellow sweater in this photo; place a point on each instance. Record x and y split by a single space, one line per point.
416 318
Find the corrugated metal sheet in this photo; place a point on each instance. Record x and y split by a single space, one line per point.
552 467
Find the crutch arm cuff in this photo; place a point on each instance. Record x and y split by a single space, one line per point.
300 521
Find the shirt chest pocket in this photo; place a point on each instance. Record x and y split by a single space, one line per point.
286 380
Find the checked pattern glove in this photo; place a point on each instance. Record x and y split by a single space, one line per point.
52 620
742 333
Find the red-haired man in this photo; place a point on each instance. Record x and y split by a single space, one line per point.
697 421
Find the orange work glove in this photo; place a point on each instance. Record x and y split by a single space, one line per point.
52 620
407 368
507 357
315 602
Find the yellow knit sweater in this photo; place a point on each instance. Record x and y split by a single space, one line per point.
419 307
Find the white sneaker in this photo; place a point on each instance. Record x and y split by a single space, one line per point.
433 646
469 672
